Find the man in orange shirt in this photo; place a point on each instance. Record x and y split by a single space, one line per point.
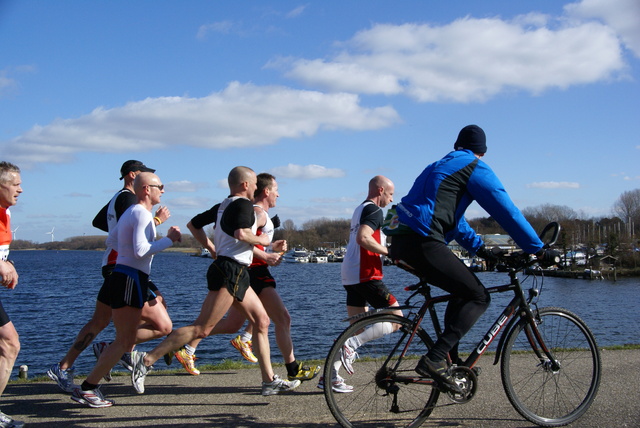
9 342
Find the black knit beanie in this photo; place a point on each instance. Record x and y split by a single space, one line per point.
472 137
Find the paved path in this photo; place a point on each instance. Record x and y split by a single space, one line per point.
232 399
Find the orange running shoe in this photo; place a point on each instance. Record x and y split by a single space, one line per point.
187 361
245 349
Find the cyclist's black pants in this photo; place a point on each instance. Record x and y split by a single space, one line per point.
435 261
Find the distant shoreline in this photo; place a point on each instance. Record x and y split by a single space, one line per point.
608 275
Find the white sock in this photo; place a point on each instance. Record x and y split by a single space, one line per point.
190 349
246 337
337 364
376 331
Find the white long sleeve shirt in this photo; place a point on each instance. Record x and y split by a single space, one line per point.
135 239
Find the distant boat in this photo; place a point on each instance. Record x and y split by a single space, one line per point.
319 256
297 256
337 256
203 253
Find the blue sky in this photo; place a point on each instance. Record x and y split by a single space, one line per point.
322 94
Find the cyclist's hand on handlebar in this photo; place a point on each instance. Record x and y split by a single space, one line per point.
490 255
548 257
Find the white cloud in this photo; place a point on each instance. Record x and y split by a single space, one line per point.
294 13
185 186
622 15
223 27
242 115
554 185
223 183
8 83
306 172
467 60
189 203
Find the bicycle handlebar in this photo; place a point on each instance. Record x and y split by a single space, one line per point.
518 260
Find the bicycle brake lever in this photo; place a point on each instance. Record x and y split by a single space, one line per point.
412 287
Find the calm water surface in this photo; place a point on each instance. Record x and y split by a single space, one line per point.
57 291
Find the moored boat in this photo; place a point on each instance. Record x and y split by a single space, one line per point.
299 255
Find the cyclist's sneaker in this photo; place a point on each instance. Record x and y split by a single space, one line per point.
187 361
92 398
125 361
168 358
8 422
64 378
305 373
347 356
245 349
277 385
98 348
139 372
438 371
337 384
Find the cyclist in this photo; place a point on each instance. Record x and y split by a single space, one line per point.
432 215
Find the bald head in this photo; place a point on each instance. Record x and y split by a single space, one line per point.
381 190
144 179
239 175
242 182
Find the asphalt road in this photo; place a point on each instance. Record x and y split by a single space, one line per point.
232 399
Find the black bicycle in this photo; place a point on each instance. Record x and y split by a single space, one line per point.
550 362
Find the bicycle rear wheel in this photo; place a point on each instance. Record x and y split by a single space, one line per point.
387 392
545 393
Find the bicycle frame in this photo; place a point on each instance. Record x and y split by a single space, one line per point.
518 308
386 387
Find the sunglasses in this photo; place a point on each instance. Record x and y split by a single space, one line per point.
159 186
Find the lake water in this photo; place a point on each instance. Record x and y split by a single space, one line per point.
57 291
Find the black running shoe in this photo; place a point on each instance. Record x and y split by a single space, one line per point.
438 371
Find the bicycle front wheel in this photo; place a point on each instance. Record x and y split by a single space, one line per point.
384 390
552 393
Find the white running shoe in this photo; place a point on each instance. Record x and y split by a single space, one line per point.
347 356
139 372
92 398
278 385
8 422
337 384
64 378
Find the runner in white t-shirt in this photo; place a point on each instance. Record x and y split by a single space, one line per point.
362 272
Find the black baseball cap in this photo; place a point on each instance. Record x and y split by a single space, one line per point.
133 165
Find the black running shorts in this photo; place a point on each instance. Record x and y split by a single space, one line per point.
104 295
261 278
373 292
227 273
128 287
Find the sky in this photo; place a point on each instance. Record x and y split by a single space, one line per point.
324 95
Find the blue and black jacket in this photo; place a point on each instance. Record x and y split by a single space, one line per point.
441 194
